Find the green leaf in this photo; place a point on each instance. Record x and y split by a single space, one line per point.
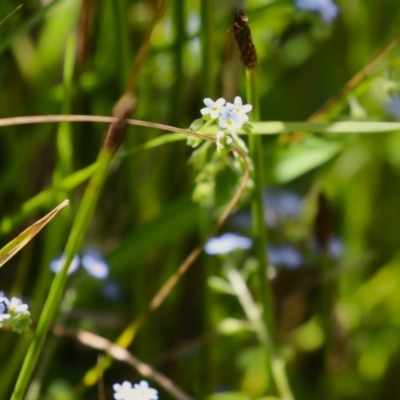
298 160
27 235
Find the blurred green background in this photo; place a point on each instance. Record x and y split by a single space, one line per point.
345 188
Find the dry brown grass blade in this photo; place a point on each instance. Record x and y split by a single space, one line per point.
119 353
41 119
10 249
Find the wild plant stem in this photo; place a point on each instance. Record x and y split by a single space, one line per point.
205 212
264 324
253 314
257 204
78 230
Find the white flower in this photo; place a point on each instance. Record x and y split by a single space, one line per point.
57 264
144 392
16 306
224 142
140 391
240 109
231 121
227 243
220 135
327 9
123 391
214 108
95 264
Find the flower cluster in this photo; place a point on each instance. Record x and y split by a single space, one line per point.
230 117
91 260
14 313
139 391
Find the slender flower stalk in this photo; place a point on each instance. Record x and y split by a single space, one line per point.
249 57
254 317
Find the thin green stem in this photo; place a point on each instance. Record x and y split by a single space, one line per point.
52 344
122 34
253 314
179 42
207 47
266 325
257 204
205 213
82 220
57 232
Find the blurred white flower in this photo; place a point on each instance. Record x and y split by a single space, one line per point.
95 264
227 243
326 9
57 264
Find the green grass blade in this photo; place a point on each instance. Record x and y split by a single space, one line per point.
345 127
83 217
28 234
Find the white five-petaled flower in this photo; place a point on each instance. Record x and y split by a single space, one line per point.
214 108
16 306
123 391
144 391
231 121
240 109
140 391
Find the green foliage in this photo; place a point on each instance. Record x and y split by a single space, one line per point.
335 331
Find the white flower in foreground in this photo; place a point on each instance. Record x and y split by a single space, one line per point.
144 392
123 391
227 243
214 108
231 121
140 391
240 109
16 306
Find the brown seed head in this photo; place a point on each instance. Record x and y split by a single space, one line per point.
244 41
